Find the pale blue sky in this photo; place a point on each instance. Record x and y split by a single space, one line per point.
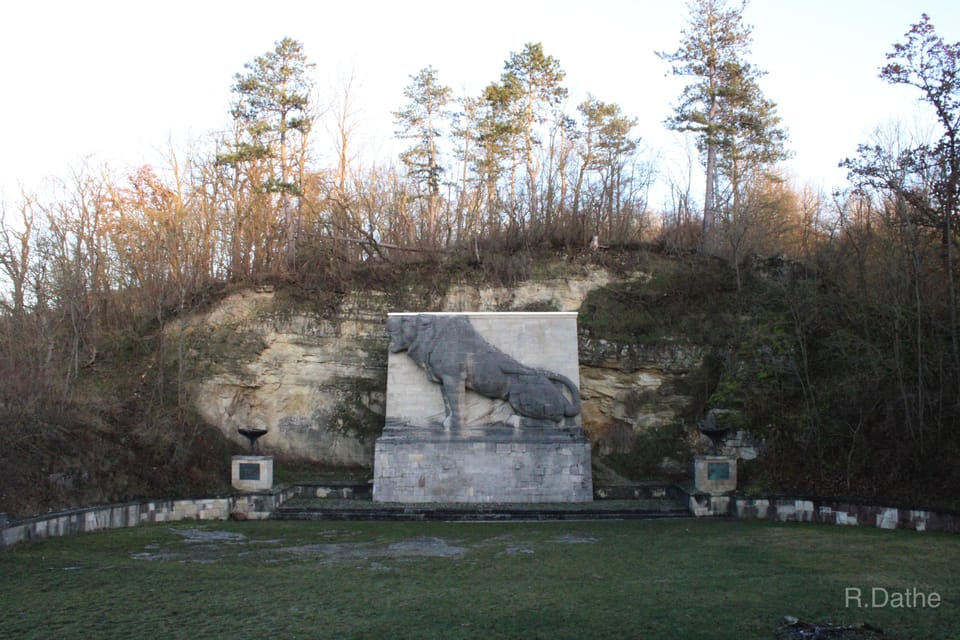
116 80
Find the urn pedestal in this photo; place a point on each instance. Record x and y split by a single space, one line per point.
252 473
715 474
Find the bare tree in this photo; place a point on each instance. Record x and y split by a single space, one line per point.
15 247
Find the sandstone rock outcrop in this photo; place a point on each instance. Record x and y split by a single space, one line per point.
317 382
627 389
316 385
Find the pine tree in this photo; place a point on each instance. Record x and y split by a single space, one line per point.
272 111
605 143
421 121
533 80
737 128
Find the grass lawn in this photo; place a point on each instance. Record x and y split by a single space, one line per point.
622 579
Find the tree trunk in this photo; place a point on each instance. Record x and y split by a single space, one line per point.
709 240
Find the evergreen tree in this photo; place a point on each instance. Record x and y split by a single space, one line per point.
496 133
737 128
605 143
272 110
533 79
420 121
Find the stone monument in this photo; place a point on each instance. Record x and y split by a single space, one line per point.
715 473
252 472
482 407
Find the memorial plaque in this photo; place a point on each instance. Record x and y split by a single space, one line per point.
718 471
249 471
715 475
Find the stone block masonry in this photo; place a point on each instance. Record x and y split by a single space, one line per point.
715 475
484 408
822 511
546 341
555 469
252 473
252 506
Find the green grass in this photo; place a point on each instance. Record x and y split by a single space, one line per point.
624 579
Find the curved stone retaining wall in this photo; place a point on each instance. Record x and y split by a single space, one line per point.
824 511
261 505
254 505
258 505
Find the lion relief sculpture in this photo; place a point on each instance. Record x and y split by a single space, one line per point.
452 353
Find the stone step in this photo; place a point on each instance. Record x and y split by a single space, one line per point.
320 509
635 491
350 490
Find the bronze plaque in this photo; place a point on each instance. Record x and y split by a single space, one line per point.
718 471
249 471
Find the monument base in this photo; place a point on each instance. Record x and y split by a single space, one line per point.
715 474
252 473
539 467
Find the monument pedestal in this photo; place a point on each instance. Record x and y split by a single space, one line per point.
715 474
252 473
546 467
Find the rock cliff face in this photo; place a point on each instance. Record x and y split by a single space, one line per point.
318 384
628 389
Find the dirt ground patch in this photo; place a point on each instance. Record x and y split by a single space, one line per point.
212 545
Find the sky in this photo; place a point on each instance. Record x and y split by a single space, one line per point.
115 83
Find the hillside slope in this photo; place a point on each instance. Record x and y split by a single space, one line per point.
803 373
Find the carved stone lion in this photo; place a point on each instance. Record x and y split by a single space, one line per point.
453 354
